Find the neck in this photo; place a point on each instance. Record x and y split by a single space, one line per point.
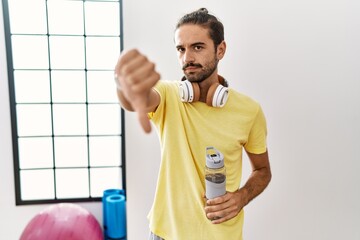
205 85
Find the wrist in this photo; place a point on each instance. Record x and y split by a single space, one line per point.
243 196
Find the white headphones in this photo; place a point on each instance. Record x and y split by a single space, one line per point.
216 97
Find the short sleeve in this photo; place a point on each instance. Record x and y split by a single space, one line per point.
257 136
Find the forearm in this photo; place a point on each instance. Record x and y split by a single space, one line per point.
255 185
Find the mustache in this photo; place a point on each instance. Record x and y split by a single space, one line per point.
191 65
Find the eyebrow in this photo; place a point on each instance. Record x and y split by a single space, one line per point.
192 45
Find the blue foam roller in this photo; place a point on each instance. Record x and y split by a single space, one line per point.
107 193
116 216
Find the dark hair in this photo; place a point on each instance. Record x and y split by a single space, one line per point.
203 18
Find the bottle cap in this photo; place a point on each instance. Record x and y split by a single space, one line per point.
214 158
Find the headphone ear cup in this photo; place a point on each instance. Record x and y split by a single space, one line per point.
196 89
217 95
211 93
188 91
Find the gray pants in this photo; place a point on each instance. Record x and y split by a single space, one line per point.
154 237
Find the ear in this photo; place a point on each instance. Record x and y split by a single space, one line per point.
221 49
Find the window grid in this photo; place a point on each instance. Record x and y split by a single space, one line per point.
90 167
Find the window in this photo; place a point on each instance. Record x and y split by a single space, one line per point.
67 125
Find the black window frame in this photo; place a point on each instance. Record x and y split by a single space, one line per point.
13 114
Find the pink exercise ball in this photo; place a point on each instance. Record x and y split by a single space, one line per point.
63 221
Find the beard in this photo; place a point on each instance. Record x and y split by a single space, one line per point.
206 70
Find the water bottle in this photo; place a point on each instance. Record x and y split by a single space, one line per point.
215 173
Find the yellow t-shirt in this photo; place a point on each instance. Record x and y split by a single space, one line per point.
185 130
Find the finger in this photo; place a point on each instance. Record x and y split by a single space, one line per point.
216 215
216 208
137 64
146 84
141 77
125 57
141 70
144 121
213 210
218 200
224 218
223 215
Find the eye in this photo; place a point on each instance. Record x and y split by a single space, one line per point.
180 49
198 47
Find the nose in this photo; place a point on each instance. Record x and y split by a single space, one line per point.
188 57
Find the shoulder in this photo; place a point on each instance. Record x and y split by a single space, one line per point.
167 89
241 99
166 84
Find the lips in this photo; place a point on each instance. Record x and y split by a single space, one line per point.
191 66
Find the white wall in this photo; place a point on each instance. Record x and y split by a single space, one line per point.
300 59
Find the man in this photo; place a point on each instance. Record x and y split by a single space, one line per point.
217 116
